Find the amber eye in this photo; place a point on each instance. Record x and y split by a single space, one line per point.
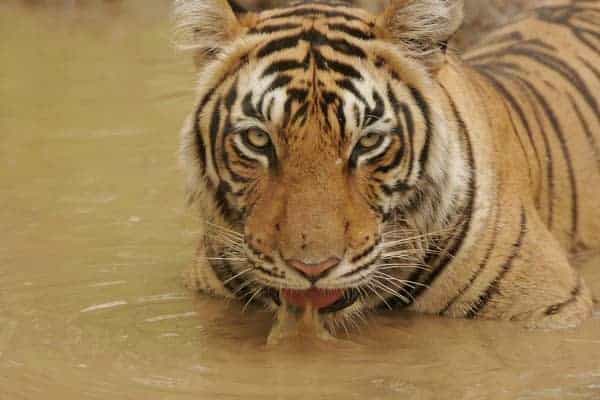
257 138
370 141
370 145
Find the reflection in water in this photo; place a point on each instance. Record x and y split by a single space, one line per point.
94 237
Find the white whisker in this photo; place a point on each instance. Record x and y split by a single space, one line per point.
410 267
244 285
224 229
372 289
238 275
387 289
256 293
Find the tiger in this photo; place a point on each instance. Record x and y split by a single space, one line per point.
354 162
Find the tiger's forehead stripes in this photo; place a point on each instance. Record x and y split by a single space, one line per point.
314 64
315 9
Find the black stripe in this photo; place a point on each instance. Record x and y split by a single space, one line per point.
493 289
556 308
280 81
592 68
270 109
494 54
347 84
317 12
224 273
424 107
557 65
344 69
239 287
399 131
229 214
286 42
440 261
398 187
316 39
237 9
214 127
356 114
200 148
513 36
274 28
510 66
484 262
249 109
410 128
398 157
233 175
466 212
294 95
283 66
374 114
335 4
249 162
354 32
226 160
488 73
364 253
566 155
231 96
457 241
205 100
300 115
589 135
562 15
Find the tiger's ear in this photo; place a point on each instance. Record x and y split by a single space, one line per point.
422 27
206 27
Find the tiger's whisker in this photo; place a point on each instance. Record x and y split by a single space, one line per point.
223 229
238 275
256 293
372 289
388 290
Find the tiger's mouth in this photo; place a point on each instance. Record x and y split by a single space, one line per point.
326 301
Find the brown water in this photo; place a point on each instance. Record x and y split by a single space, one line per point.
94 236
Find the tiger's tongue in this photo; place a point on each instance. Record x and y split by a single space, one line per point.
318 298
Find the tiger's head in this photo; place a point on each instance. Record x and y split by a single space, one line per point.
319 151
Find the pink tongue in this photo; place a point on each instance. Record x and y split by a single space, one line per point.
318 298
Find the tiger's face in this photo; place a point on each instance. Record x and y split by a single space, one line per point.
315 143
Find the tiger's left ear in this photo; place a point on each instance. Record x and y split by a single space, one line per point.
206 27
422 27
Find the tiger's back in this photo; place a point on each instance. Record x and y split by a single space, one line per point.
545 67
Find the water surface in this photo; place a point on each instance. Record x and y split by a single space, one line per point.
94 236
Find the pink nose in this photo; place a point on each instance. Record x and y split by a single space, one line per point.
314 270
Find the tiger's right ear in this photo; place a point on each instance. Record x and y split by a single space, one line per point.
422 27
206 27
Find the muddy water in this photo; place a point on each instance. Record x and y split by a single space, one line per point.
94 235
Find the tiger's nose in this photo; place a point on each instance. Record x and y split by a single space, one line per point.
314 272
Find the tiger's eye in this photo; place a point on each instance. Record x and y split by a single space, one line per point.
370 141
258 138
